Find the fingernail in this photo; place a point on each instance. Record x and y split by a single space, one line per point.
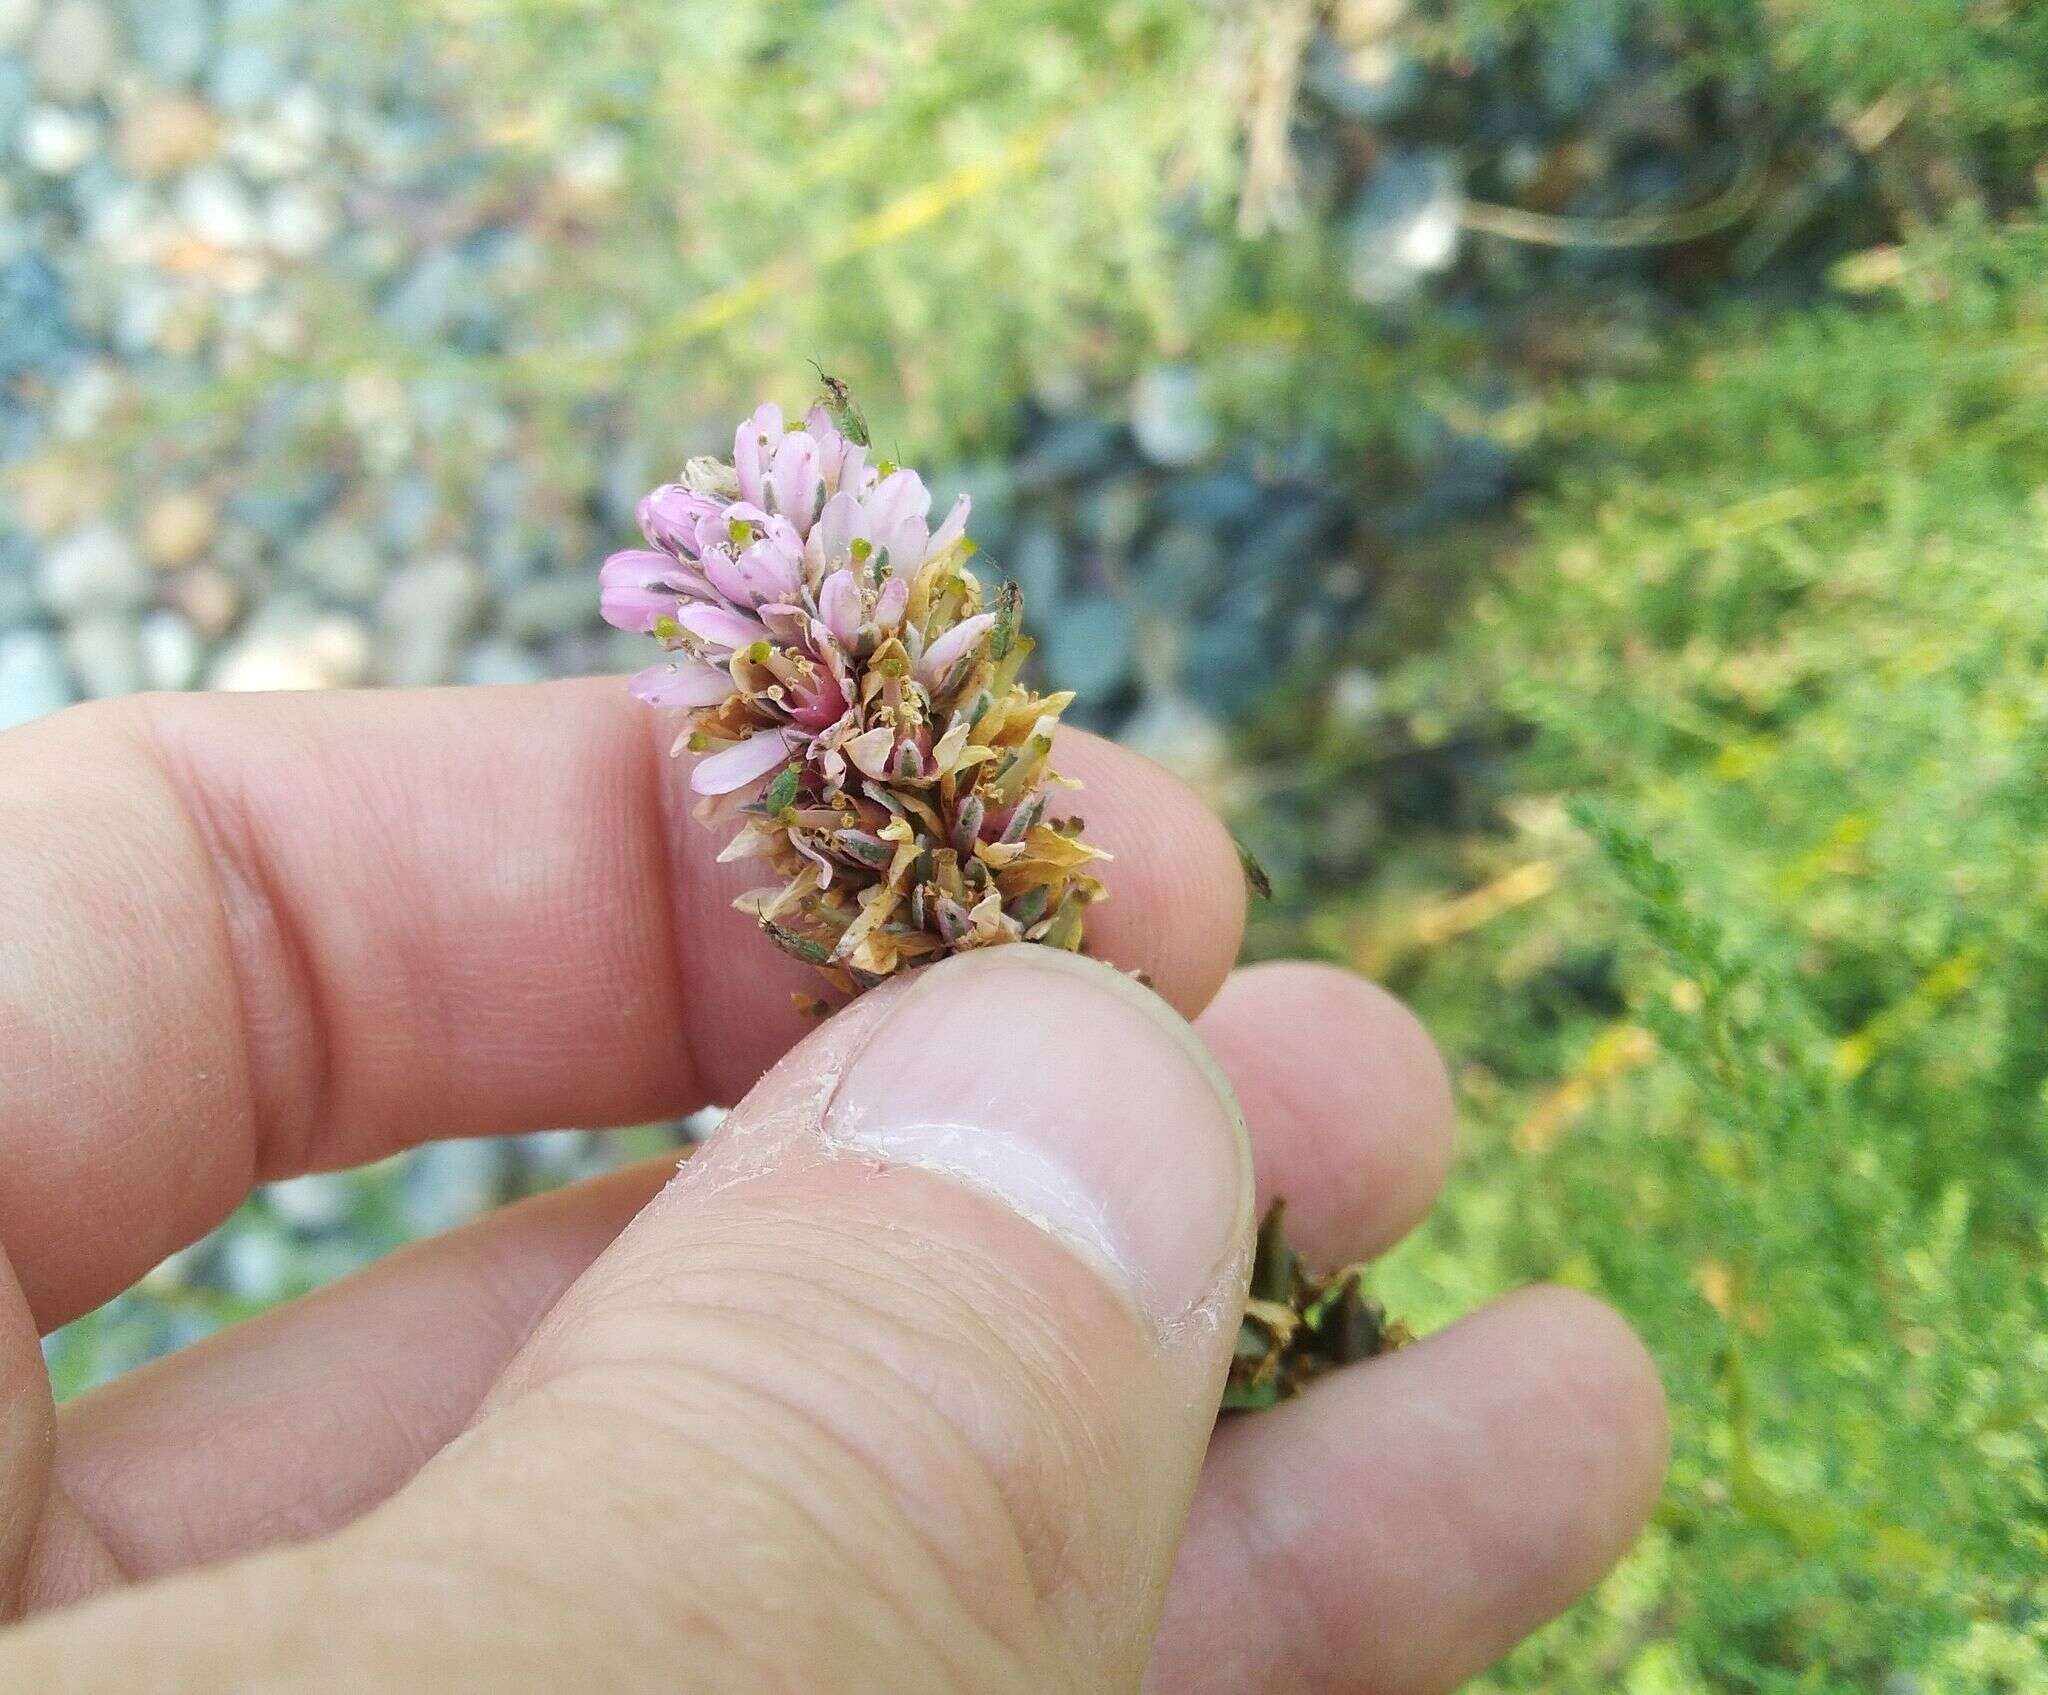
1075 1096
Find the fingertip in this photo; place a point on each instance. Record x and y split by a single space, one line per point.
1608 1382
1347 1096
1579 1441
1176 905
1480 1480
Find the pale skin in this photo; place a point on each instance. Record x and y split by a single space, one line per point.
841 1424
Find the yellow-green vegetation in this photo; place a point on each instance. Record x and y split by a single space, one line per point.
1745 974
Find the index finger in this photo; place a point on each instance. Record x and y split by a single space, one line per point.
252 936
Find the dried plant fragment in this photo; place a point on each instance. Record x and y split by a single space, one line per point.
853 692
1297 1326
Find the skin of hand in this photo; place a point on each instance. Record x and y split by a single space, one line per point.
906 1383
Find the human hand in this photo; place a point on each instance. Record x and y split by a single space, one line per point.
828 1412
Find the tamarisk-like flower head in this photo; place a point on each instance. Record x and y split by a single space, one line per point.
852 692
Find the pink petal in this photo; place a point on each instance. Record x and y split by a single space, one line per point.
855 475
637 610
892 603
901 495
820 704
669 518
788 625
723 572
837 526
757 434
839 604
688 682
906 545
870 750
743 763
634 590
953 646
714 533
638 565
644 572
784 537
773 570
953 528
761 576
795 480
824 865
721 627
831 444
832 656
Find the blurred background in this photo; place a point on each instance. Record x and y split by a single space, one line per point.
1567 476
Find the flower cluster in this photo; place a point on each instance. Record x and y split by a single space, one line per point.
853 694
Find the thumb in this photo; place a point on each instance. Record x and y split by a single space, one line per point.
903 1384
906 1381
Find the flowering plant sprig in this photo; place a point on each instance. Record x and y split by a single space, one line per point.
854 695
853 691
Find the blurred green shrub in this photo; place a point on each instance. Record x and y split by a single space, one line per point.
1769 1068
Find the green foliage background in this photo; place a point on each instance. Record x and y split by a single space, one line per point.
1709 827
1763 1062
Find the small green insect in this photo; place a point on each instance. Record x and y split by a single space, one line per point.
847 417
781 794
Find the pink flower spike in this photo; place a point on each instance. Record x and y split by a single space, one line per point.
743 763
721 627
689 682
952 647
839 604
